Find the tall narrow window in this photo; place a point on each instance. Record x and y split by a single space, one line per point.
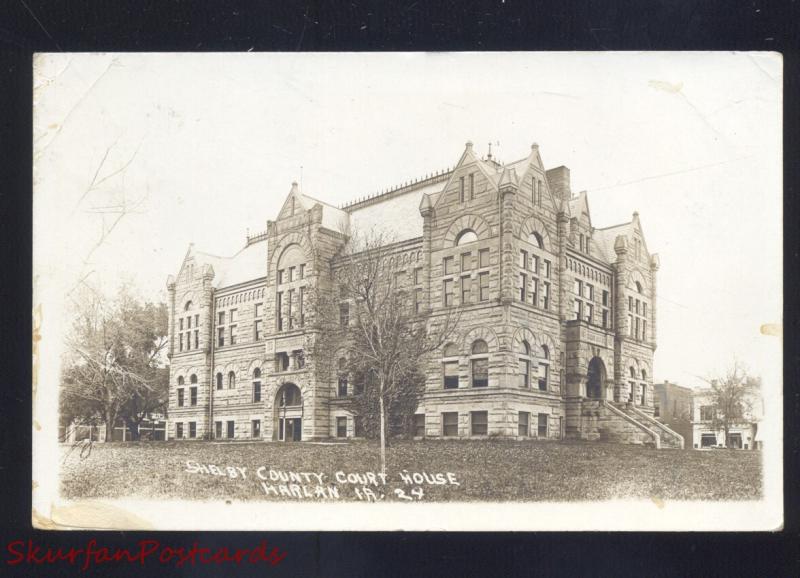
450 366
541 430
461 190
196 339
193 396
523 282
180 397
544 368
524 424
483 258
466 262
546 295
231 380
179 430
466 288
219 381
447 293
479 362
448 263
471 186
221 337
342 370
483 286
341 427
255 428
192 429
256 385
419 425
524 365
233 330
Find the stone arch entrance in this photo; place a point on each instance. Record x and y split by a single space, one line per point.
288 413
596 379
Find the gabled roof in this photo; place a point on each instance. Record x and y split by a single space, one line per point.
333 218
248 264
603 240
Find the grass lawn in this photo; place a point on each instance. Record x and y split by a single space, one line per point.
487 470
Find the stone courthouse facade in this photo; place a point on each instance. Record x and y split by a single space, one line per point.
557 321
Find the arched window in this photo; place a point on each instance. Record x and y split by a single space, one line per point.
231 380
479 362
466 236
193 379
180 380
341 368
535 239
188 306
289 396
219 380
450 366
289 303
638 287
644 375
633 371
257 385
632 384
525 364
544 368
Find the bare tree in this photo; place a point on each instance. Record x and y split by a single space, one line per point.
112 366
731 398
371 317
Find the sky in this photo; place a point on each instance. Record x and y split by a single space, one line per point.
204 147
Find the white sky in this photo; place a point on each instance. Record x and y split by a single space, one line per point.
691 141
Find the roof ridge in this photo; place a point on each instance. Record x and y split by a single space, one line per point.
406 187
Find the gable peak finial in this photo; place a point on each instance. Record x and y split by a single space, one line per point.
468 145
489 156
535 146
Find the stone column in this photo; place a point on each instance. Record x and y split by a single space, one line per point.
655 263
621 328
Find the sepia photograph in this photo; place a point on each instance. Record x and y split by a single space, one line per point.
408 291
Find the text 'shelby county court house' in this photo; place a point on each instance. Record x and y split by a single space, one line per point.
556 333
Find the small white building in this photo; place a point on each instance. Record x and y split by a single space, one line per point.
743 434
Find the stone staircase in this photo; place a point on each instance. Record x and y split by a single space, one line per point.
622 423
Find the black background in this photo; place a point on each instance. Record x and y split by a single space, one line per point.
27 26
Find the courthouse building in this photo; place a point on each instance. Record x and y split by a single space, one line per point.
557 321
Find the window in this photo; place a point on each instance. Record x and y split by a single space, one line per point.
419 425
588 310
282 362
180 380
342 371
257 334
234 329
299 359
471 186
231 429
291 396
193 378
231 380
255 428
523 281
576 308
193 396
534 292
525 365
418 276
258 310
221 337
523 259
450 366
541 430
588 292
706 412
547 267
219 381
466 236
577 287
605 318
234 315
196 339
483 258
291 274
483 286
466 261
524 424
461 190
192 429
218 429
450 424
535 239
447 293
256 385
605 298
535 264
197 320
544 368
179 430
180 342
546 295
180 324
180 397
466 287
279 310
479 423
480 364
417 300
289 315
341 427
344 314
189 322
301 271
447 263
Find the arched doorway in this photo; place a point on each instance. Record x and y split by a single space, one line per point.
596 378
288 413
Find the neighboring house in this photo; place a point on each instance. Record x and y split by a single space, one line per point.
708 432
557 328
672 405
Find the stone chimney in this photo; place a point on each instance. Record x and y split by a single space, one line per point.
558 181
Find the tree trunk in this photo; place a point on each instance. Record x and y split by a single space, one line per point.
133 427
383 430
111 418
